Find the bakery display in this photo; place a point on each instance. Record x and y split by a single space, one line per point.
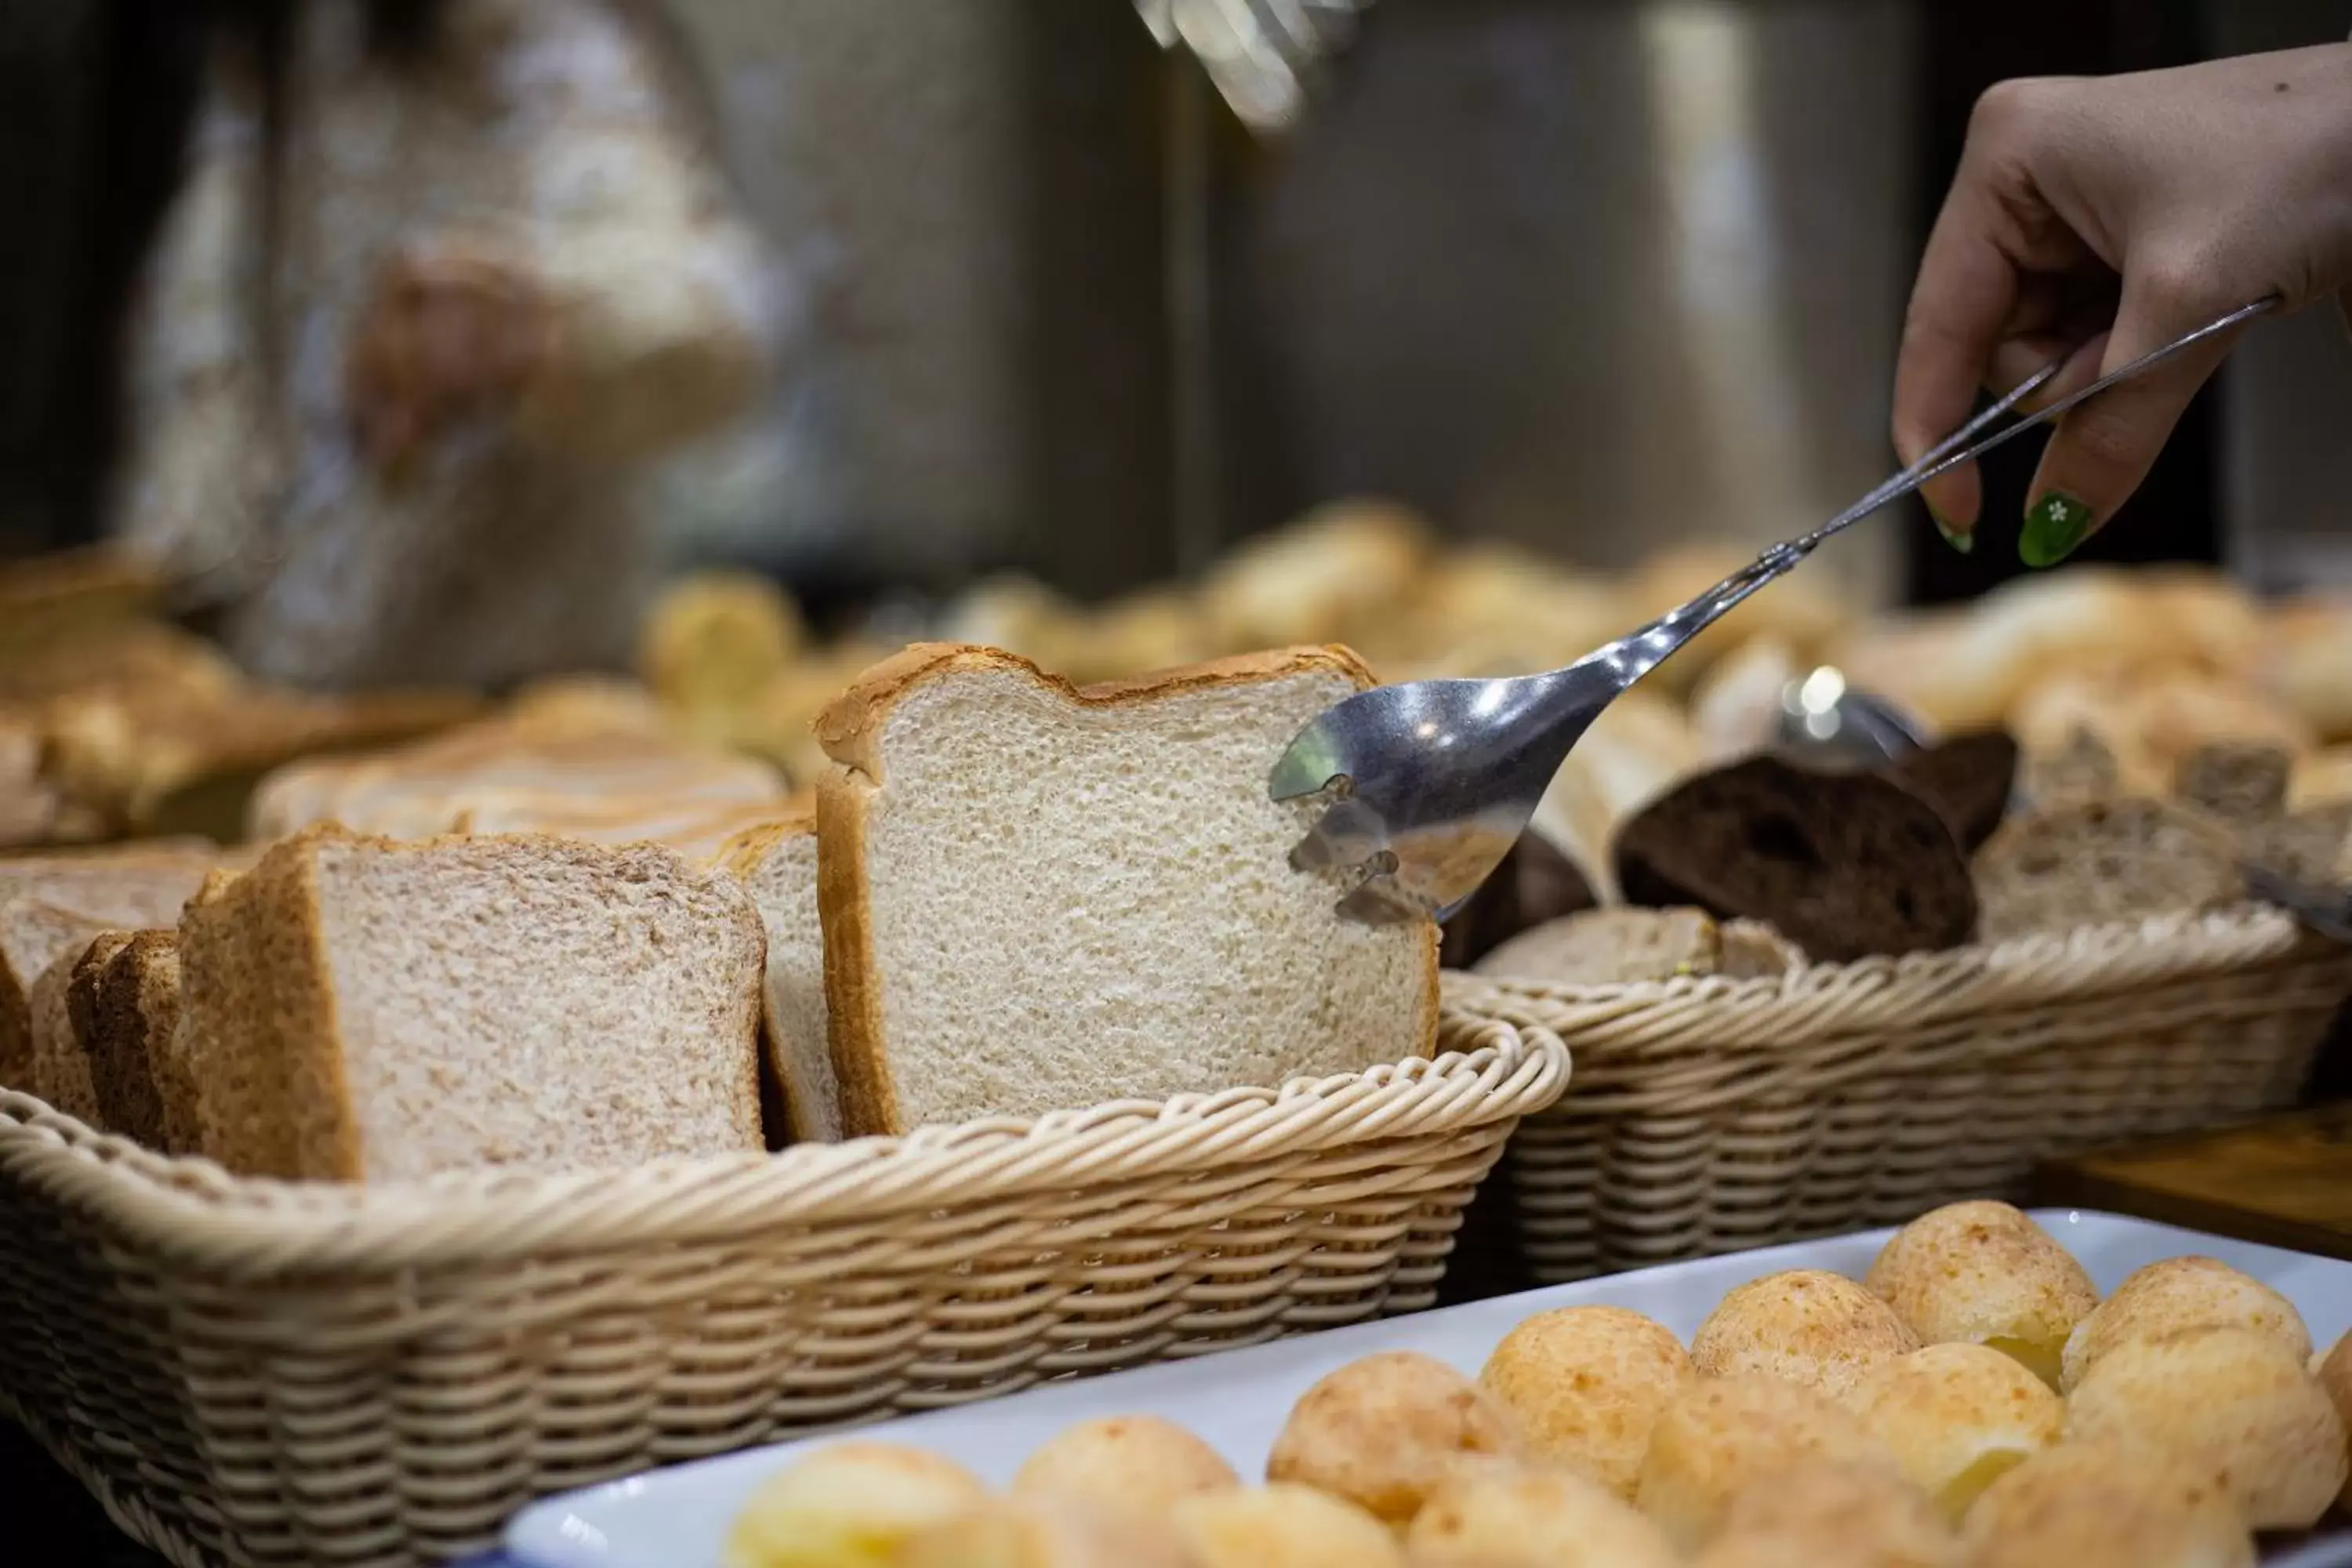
1589 1437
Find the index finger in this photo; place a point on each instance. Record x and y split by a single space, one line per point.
1960 307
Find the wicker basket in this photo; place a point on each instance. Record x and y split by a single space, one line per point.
263 1373
1712 1115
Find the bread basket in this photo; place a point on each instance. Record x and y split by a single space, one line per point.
1712 1115
260 1373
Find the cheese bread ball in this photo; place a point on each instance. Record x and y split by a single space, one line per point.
1586 1385
1533 1518
1956 1417
2182 1293
1381 1432
851 1505
2233 1400
1804 1326
1984 1273
1280 1526
1041 1532
1135 1462
2335 1374
1851 1516
1722 1436
2109 1503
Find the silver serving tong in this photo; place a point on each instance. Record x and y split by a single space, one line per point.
1431 782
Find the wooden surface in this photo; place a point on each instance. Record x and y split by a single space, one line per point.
2285 1181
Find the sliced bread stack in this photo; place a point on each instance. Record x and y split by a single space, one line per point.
1022 896
359 1009
51 908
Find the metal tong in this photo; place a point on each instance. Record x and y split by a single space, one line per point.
1431 782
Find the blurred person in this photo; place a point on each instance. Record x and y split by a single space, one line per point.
2104 217
434 285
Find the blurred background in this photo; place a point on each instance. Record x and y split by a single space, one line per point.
1590 275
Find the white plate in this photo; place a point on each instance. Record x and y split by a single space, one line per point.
1238 1400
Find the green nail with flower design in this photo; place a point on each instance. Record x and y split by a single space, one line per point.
2054 526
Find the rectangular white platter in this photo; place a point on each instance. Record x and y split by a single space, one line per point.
1237 1401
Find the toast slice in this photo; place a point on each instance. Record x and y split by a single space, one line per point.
367 1010
1036 897
777 866
124 998
53 906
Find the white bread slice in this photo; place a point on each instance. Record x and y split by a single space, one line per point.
1036 898
777 864
362 1009
52 906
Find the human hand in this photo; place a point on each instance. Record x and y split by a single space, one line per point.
447 332
2101 217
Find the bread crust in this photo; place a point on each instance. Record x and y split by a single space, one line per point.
850 730
741 857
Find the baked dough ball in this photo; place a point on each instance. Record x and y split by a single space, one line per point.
1041 1532
1722 1436
1851 1516
1140 1463
1805 1326
2111 1503
1280 1526
1587 1384
2334 1370
850 1505
2233 1400
2182 1293
1533 1518
1956 1418
1984 1273
1384 1431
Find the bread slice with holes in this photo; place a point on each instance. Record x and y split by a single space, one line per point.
777 866
1036 897
1844 864
2097 861
368 1010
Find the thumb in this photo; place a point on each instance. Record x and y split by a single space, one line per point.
2099 453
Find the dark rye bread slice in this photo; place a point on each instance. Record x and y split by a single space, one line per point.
1534 884
1845 865
2098 861
124 999
1968 779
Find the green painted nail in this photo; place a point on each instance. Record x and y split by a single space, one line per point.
1963 542
2054 525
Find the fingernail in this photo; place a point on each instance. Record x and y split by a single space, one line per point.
1963 542
2054 525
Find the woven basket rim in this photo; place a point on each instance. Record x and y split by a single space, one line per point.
1818 1002
191 1211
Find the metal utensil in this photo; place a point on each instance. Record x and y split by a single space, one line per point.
1823 721
1432 781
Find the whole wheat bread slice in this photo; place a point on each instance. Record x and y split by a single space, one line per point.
2103 860
124 1000
370 1010
777 866
52 906
1035 897
1611 947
